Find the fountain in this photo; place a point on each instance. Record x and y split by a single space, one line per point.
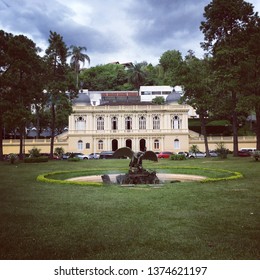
136 173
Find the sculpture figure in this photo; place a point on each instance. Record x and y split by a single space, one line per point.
136 174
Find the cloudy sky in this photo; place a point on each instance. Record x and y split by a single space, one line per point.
111 30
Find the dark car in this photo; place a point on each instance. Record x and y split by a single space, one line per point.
244 153
164 154
106 155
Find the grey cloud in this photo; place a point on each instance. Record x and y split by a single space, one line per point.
40 17
157 21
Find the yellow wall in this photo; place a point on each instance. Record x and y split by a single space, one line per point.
13 145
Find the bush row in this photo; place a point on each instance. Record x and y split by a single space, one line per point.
36 159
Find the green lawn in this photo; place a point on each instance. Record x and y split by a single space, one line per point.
214 220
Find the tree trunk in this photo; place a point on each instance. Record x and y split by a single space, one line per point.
1 139
257 127
37 122
204 133
21 147
235 125
53 117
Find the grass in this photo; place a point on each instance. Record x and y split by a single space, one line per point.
191 220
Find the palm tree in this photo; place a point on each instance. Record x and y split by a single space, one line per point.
137 75
78 56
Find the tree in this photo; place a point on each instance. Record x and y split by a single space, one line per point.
137 74
78 56
250 73
105 77
19 79
196 78
170 61
56 55
158 100
4 82
225 39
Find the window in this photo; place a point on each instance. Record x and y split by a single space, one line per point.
156 144
80 145
156 122
100 123
175 122
176 144
100 145
114 123
142 123
128 123
80 123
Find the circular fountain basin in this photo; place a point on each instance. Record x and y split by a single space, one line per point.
163 177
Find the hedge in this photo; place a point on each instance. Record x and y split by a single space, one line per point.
36 159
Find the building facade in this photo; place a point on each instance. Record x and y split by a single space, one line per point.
137 125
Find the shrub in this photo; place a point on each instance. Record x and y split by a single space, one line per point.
36 159
221 150
178 157
12 158
256 155
34 152
59 151
194 149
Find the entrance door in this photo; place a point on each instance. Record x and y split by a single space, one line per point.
142 146
128 143
114 145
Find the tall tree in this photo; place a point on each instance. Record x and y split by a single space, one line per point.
225 38
137 74
4 82
56 55
250 73
195 75
77 55
19 74
170 61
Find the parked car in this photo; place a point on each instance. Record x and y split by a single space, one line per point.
66 155
79 155
106 154
213 154
244 153
164 154
197 155
184 153
94 156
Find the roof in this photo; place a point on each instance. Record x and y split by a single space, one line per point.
156 88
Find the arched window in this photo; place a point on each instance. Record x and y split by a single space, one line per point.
176 144
100 145
156 122
142 122
114 123
175 122
80 145
80 123
128 123
156 144
100 123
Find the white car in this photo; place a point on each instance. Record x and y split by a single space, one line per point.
80 155
197 155
94 156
